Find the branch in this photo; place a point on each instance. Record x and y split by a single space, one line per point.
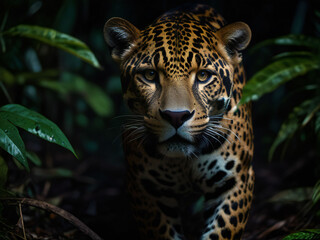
62 213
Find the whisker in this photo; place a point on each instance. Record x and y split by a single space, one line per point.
214 122
212 131
220 125
215 137
194 155
210 135
208 141
227 129
136 138
129 116
220 117
230 141
143 139
117 138
136 131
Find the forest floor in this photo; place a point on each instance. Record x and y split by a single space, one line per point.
95 193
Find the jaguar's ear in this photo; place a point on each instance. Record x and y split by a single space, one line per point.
235 37
120 36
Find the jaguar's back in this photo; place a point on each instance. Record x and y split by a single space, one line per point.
188 146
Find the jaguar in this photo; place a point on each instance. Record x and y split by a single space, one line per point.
188 143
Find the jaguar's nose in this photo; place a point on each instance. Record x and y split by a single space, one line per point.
176 118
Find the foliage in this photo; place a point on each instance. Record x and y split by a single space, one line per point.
295 195
26 66
298 118
299 64
316 193
14 115
56 39
51 79
69 83
286 67
72 83
305 234
277 73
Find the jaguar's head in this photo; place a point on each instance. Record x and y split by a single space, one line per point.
177 74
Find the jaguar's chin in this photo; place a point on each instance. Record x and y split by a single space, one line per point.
176 147
176 150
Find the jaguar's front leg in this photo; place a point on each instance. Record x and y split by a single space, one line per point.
155 211
227 215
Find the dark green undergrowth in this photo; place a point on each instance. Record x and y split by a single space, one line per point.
298 67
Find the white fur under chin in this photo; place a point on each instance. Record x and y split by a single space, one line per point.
176 150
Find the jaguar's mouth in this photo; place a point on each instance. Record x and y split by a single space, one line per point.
176 139
176 146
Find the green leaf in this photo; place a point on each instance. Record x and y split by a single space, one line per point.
33 158
3 172
56 39
3 23
312 234
11 142
310 115
6 76
294 54
316 193
36 124
95 97
294 122
317 122
275 74
33 77
53 173
293 195
291 40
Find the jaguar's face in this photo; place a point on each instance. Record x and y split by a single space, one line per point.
179 78
181 107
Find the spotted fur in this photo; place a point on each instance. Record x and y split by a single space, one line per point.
188 146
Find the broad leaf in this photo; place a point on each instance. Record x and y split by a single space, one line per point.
294 54
316 193
293 195
52 173
317 122
36 124
311 114
293 123
11 142
275 74
96 98
33 158
312 234
27 77
33 77
56 39
291 40
6 76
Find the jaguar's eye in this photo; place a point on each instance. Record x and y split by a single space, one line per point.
150 75
204 76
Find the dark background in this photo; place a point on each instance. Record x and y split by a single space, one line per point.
95 193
